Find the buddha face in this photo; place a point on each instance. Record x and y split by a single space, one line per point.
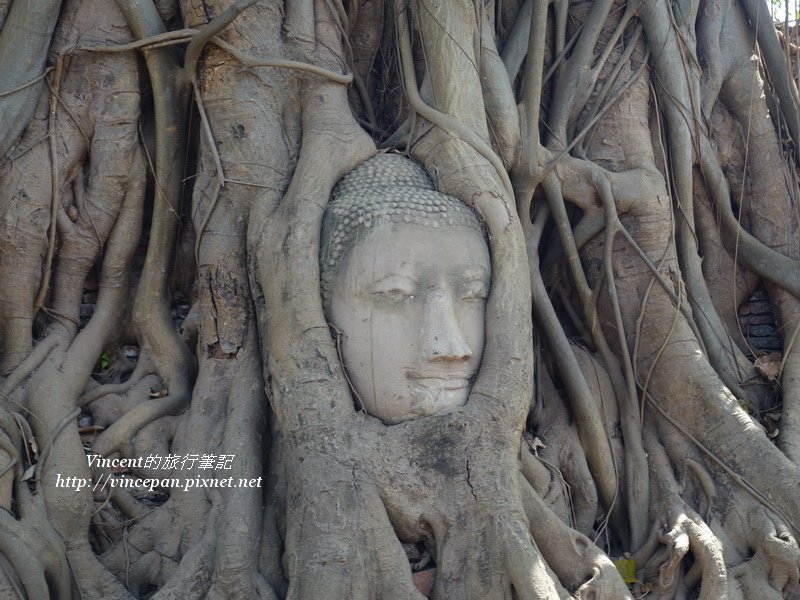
410 301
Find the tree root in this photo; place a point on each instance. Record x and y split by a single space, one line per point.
16 547
580 565
39 21
126 427
142 370
344 490
28 365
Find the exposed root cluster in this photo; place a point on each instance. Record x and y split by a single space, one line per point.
635 165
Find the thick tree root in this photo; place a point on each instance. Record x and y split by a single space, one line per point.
575 115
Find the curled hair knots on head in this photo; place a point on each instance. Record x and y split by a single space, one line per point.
387 188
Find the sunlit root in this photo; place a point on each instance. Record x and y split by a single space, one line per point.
580 565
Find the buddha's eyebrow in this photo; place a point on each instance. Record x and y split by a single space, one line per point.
390 267
405 267
478 271
390 276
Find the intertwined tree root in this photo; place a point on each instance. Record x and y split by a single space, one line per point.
637 185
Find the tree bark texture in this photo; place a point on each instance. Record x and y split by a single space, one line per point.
165 170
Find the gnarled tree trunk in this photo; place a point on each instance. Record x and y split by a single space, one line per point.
166 167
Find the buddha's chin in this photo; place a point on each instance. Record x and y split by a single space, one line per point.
423 400
435 400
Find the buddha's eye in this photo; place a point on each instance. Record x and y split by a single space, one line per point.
394 294
395 288
475 290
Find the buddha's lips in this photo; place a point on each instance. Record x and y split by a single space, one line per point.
441 381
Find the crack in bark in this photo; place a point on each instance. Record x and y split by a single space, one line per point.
469 482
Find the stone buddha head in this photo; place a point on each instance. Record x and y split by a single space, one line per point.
405 273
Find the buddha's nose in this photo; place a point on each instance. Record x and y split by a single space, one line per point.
443 339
